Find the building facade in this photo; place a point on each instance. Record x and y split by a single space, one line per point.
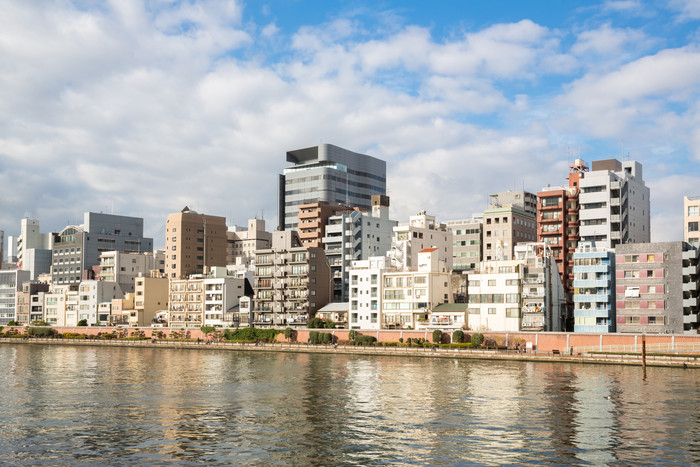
467 243
594 289
77 248
193 243
10 288
242 243
330 174
657 288
421 232
691 220
292 282
123 268
504 227
356 235
409 296
614 204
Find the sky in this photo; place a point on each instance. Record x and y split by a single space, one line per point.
141 108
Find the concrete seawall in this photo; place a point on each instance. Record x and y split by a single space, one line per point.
680 361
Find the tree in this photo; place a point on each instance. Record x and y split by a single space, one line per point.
289 334
13 323
457 337
437 336
330 324
83 322
207 330
352 334
477 339
315 323
39 322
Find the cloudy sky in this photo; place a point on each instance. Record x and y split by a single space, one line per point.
143 107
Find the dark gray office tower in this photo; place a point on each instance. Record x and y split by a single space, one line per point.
330 174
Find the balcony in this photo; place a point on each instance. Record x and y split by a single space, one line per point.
592 283
690 319
690 286
690 270
604 298
615 218
690 254
691 302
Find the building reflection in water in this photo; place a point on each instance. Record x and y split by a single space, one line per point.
160 406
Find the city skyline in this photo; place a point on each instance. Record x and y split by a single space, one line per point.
105 107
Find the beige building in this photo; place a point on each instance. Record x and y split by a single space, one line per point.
691 220
193 243
292 282
150 297
122 309
503 228
242 244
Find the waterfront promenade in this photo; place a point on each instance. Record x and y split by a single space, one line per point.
680 359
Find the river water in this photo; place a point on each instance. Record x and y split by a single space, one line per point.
133 406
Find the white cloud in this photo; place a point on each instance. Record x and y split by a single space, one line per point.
689 9
153 109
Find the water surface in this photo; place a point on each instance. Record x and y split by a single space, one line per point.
125 406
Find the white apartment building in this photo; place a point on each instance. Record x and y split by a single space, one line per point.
10 286
614 204
55 305
366 292
523 294
409 296
33 248
123 268
420 233
691 220
356 235
93 293
494 296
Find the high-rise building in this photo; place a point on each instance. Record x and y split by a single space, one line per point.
77 248
123 268
327 173
355 235
614 204
193 243
691 220
657 288
33 249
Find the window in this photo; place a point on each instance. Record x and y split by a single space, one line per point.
492 311
492 282
473 311
692 226
693 210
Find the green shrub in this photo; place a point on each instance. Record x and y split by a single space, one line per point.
457 337
313 337
391 344
437 336
477 339
365 340
329 324
251 334
401 340
326 338
82 322
13 323
352 334
40 332
39 322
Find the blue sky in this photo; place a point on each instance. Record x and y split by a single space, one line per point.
151 106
